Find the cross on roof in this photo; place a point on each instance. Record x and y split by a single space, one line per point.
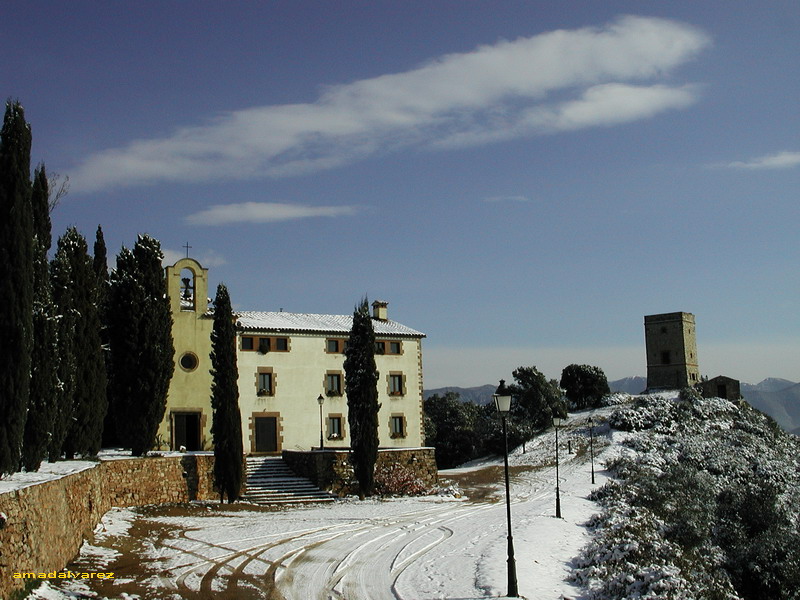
187 246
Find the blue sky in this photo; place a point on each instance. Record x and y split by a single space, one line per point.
522 181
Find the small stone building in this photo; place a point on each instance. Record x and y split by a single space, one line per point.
721 387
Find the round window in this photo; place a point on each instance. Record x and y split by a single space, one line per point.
189 362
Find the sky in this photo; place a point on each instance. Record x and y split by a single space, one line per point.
522 181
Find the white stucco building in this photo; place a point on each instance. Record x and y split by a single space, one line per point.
286 361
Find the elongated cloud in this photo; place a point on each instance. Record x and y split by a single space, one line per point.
263 212
558 81
781 160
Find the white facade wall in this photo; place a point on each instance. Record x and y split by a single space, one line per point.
287 416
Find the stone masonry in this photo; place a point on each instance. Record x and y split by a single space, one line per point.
47 522
331 470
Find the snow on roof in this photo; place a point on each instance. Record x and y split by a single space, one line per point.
286 322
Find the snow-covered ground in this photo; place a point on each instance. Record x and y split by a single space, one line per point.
401 549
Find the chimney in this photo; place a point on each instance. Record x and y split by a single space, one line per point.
380 310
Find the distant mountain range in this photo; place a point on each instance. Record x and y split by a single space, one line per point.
477 395
779 398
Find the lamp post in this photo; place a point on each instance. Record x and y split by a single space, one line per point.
502 401
557 423
591 445
321 401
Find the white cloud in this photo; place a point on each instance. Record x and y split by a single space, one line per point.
780 160
602 105
264 212
492 93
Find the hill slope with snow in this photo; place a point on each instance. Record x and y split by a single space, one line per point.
706 504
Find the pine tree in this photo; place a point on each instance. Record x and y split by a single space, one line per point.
226 428
537 400
140 333
361 386
584 385
44 382
75 292
16 283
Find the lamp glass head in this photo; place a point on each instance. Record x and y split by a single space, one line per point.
502 398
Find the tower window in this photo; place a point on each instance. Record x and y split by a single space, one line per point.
665 358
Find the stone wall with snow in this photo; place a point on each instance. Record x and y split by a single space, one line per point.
45 523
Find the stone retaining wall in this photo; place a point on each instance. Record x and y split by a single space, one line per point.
331 469
47 522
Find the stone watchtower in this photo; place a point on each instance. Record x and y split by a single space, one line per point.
671 346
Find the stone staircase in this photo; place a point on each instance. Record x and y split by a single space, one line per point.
270 481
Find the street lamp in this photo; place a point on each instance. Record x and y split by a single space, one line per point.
321 400
502 401
557 423
591 445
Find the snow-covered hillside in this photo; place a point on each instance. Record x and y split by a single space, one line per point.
680 469
706 504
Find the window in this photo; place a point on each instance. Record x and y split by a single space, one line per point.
265 344
396 384
264 383
398 426
189 361
335 428
333 384
334 346
665 358
387 347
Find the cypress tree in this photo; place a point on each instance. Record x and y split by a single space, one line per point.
361 386
44 382
226 428
140 333
16 283
100 267
75 289
125 302
67 351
